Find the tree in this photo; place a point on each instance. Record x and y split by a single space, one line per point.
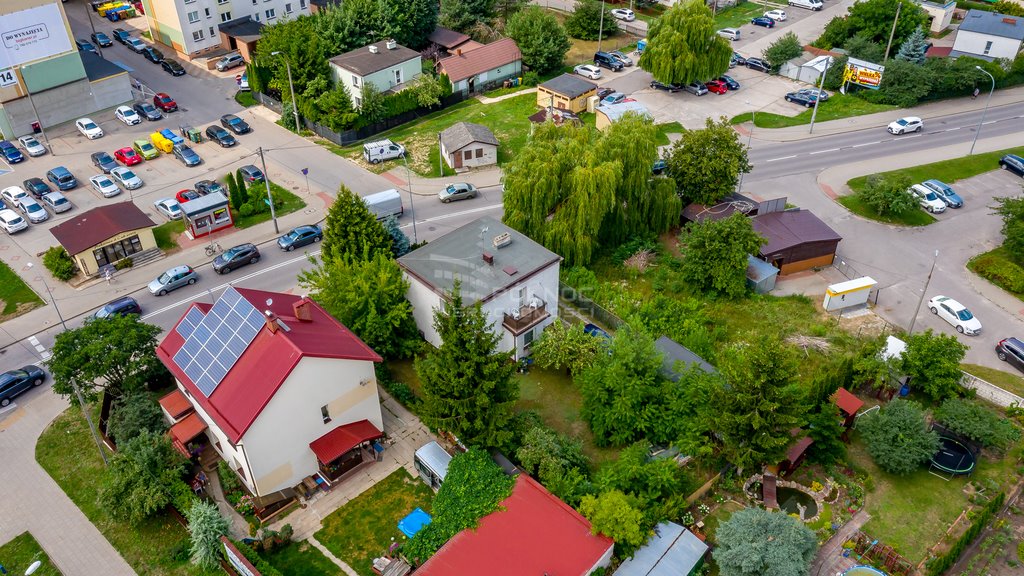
541 39
977 422
682 46
557 461
904 84
565 345
409 22
873 19
507 9
399 241
617 516
913 48
864 48
659 484
760 405
888 195
333 108
142 478
753 542
1011 209
133 414
586 22
206 525
693 404
428 90
371 107
237 198
461 15
783 50
933 363
897 437
350 229
1009 8
293 43
826 429
715 254
468 388
706 164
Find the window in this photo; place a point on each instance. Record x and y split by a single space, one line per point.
222 2
325 414
256 16
357 101
302 4
198 35
224 17
467 155
288 8
212 33
355 81
479 152
116 251
206 11
527 338
988 47
398 76
270 14
193 17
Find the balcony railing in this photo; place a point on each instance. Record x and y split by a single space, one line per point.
517 321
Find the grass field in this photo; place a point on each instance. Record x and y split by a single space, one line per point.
1003 379
916 217
301 559
738 15
838 106
15 296
18 554
289 203
166 233
949 171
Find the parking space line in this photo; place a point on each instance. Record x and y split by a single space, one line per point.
43 352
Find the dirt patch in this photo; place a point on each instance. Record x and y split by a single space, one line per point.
870 324
994 553
21 309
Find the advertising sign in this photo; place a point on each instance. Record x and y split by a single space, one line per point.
863 73
32 34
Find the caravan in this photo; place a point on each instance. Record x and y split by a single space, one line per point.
431 463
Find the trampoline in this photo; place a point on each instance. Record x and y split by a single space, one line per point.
953 457
414 522
863 571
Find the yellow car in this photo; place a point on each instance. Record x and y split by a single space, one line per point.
145 149
161 142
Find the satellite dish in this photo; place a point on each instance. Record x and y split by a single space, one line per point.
270 301
32 569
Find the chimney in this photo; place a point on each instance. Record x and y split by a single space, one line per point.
303 310
391 44
458 51
271 320
489 258
373 49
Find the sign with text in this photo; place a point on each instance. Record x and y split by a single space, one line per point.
8 78
33 34
863 73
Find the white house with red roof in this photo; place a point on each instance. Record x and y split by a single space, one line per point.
279 388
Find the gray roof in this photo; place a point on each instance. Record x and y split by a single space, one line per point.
459 255
462 134
435 457
616 111
672 551
758 269
245 29
569 85
673 352
363 62
204 204
993 24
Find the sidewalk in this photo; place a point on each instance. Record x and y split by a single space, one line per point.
423 186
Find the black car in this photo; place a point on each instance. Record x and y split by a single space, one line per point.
15 382
85 46
236 257
221 136
235 124
299 237
205 187
103 161
801 99
729 82
737 60
1011 350
148 111
1013 163
121 307
101 39
172 67
668 87
152 54
758 64
121 35
37 187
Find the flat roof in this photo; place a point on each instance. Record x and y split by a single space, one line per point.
671 551
97 68
854 285
569 85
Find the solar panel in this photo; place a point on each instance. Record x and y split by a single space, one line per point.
189 322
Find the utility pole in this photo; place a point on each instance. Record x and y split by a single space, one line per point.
270 198
923 292
985 111
600 30
39 121
291 88
408 179
821 89
88 13
892 32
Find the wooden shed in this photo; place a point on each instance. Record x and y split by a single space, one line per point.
796 240
568 92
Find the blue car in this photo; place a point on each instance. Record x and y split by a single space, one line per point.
763 21
729 82
951 198
11 152
187 155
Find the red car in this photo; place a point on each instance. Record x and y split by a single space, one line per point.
127 156
717 86
164 102
185 195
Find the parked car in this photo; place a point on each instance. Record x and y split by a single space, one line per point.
103 161
623 14
186 195
800 98
32 146
299 237
763 21
205 187
666 87
613 98
168 207
135 45
236 257
251 174
121 35
187 155
457 191
126 178
729 82
626 60
732 34
85 46
1013 163
956 314
14 383
696 88
928 199
88 128
717 86
123 306
164 102
148 111
127 115
10 152
12 194
809 4
33 210
777 15
588 70
659 167
759 64
606 60
152 54
36 187
904 125
220 136
946 194
127 156
11 222
62 178
145 149
172 67
235 124
172 280
230 61
1011 351
815 93
104 185
101 39
57 202
737 60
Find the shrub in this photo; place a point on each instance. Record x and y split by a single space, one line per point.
246 209
123 264
999 271
59 263
531 78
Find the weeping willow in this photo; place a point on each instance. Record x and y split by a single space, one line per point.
682 46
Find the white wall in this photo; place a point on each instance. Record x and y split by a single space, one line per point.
234 457
489 158
424 302
974 44
231 9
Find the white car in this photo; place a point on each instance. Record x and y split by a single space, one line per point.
11 222
57 202
169 208
588 70
904 125
624 14
928 199
126 178
104 185
777 15
12 194
33 210
127 115
956 314
88 128
32 146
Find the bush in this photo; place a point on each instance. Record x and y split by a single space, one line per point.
261 565
531 78
246 209
783 50
1000 272
59 263
124 264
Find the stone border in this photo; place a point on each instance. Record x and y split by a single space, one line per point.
818 497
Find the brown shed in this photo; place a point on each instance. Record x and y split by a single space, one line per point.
796 240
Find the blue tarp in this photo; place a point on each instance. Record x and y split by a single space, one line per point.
414 522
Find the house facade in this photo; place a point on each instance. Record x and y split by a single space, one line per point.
282 395
104 235
388 66
483 67
467 145
514 279
567 92
989 35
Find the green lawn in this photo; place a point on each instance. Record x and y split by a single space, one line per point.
289 203
720 514
244 97
157 547
668 128
16 297
738 15
949 171
838 106
301 559
365 527
18 554
166 233
916 217
1005 380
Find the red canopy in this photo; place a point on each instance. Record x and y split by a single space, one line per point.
847 402
342 439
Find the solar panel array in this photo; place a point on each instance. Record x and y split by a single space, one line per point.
189 323
218 340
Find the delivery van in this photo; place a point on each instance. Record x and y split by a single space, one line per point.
377 152
384 204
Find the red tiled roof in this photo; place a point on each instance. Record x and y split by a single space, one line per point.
482 59
342 439
268 361
94 226
447 38
532 533
939 52
176 404
847 402
188 428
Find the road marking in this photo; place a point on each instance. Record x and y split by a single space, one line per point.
952 129
866 144
782 158
990 122
43 352
453 214
822 151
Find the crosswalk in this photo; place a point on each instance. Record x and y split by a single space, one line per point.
43 352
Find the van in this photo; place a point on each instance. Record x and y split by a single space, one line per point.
606 60
809 4
431 462
381 150
730 33
62 178
384 204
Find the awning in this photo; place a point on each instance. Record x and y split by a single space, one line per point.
175 404
332 445
188 428
847 402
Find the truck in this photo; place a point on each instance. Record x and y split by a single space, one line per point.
384 204
381 150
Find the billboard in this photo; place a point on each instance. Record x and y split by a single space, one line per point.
863 73
32 34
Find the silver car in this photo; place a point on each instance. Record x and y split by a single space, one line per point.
104 185
457 191
172 280
32 210
32 146
126 178
57 202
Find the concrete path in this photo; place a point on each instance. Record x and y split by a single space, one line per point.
830 555
487 100
337 561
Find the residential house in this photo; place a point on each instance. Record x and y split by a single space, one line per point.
468 145
568 92
386 65
102 236
532 532
281 390
482 68
445 42
671 551
940 14
989 35
514 279
796 240
607 114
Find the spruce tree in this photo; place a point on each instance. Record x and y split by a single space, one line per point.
399 241
914 47
351 229
468 386
237 197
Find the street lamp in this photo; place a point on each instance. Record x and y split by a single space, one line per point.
600 29
821 89
985 111
923 292
412 209
291 88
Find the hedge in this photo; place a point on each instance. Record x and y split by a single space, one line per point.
1000 272
936 566
59 263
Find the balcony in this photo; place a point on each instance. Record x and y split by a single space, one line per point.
519 320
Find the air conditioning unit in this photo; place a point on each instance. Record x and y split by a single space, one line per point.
373 49
391 44
502 240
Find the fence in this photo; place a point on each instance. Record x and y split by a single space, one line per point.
990 392
588 306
